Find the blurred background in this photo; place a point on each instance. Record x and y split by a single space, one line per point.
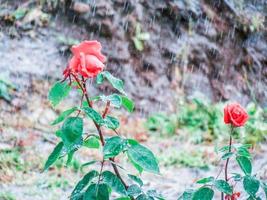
181 61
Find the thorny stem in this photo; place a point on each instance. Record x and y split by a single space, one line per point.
83 87
106 109
227 161
79 112
101 169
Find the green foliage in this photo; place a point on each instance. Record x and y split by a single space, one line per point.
256 126
7 196
244 164
115 82
166 125
111 122
204 122
117 101
114 99
58 92
72 131
97 192
193 159
142 157
203 193
63 115
127 103
136 179
114 146
99 185
140 37
82 184
241 152
134 190
94 115
187 195
114 182
54 155
223 186
205 180
251 185
92 142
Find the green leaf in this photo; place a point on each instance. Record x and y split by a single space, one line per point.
88 163
138 167
203 193
143 197
251 185
205 180
97 192
58 92
187 195
92 142
243 152
114 99
115 82
113 146
127 103
138 44
58 133
99 78
143 36
83 183
72 131
111 122
253 198
70 156
114 182
237 177
134 190
224 148
54 155
143 157
244 164
63 115
223 186
123 198
154 195
94 115
227 155
136 179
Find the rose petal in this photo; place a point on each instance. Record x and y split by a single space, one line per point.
90 66
226 115
237 114
89 48
74 64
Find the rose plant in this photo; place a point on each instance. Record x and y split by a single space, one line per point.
87 63
236 116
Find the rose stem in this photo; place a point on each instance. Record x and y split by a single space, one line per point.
83 87
227 160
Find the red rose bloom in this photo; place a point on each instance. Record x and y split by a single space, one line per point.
235 114
87 60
